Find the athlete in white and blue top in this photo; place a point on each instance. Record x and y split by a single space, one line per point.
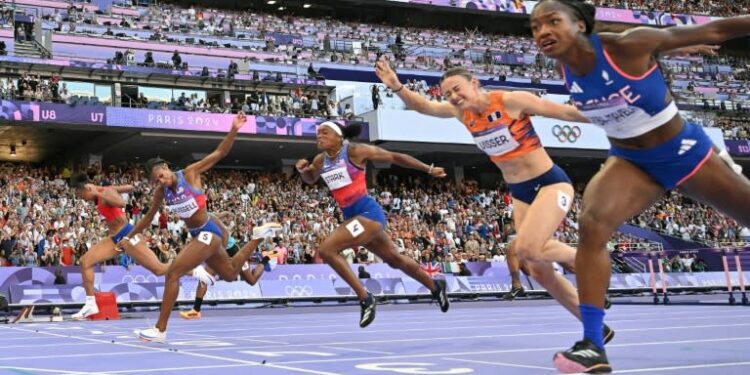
342 166
615 81
181 191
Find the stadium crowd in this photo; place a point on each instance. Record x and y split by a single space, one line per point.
41 223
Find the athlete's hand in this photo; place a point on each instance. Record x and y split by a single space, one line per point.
302 165
239 121
438 172
702 49
386 74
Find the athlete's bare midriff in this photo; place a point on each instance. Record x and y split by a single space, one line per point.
525 167
653 138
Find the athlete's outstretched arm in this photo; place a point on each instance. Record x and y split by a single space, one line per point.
520 103
124 188
221 151
361 153
647 40
412 99
310 172
701 49
154 207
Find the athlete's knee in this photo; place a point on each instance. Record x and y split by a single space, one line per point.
86 261
327 252
172 275
528 249
160 270
594 226
542 273
227 274
395 261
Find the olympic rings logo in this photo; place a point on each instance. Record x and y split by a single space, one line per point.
298 291
566 133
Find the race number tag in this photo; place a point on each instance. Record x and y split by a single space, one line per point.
205 237
355 228
564 201
135 240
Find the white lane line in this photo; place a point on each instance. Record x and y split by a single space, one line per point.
504 364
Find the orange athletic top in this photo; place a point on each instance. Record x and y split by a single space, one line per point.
497 134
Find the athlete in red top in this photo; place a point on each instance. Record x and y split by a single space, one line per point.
542 192
109 203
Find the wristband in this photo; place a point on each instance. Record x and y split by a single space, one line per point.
399 89
432 166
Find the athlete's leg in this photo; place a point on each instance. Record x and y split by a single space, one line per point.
343 238
193 254
137 248
200 292
514 267
538 221
356 231
98 253
384 248
718 185
617 192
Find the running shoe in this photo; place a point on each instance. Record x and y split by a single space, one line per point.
203 276
441 295
583 357
190 315
368 310
151 335
514 292
86 311
609 334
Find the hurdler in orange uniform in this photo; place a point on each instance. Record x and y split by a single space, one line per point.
542 192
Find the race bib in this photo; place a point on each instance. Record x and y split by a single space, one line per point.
497 142
184 209
205 237
337 178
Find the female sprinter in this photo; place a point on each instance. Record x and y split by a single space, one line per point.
109 203
613 78
181 191
249 275
342 166
542 192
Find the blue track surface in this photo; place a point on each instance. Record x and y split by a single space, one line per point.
473 338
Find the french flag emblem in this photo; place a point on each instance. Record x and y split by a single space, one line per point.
495 116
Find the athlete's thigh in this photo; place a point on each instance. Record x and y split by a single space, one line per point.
194 253
145 257
718 185
616 193
356 231
546 212
382 246
101 251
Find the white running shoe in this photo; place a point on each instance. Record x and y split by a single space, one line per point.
201 274
151 335
266 231
86 311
